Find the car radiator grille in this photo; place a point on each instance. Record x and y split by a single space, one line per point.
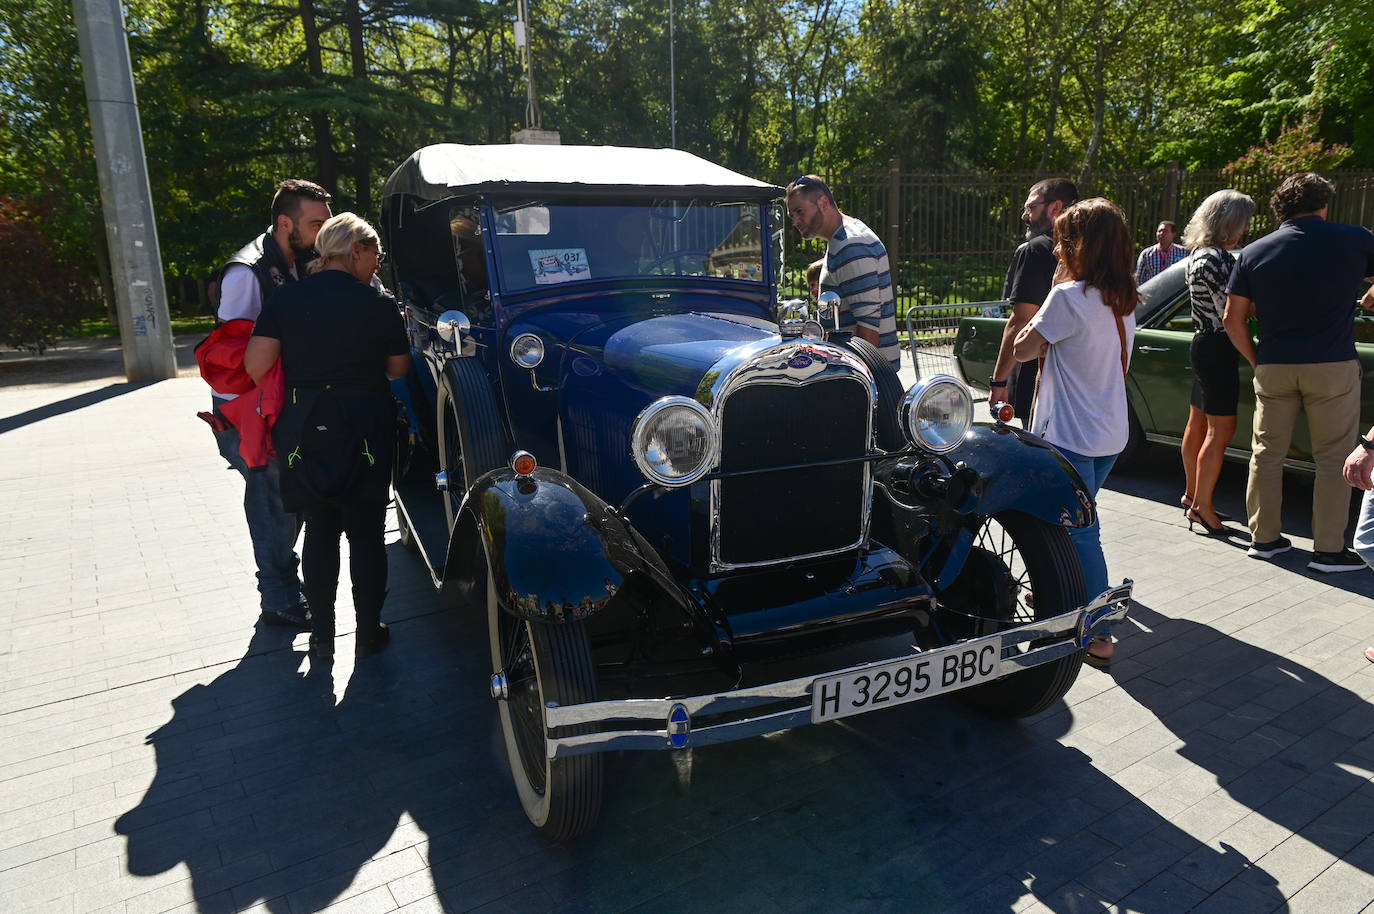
769 517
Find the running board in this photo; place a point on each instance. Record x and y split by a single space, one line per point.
423 508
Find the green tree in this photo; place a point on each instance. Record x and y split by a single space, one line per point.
45 139
915 94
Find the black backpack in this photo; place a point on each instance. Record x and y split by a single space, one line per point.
334 445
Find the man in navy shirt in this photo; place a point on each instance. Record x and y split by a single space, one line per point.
1300 283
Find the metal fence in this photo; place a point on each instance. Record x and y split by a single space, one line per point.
950 236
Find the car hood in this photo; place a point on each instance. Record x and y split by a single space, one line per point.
668 353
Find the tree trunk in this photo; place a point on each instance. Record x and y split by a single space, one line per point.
1048 143
100 245
362 130
450 73
746 104
326 163
1099 112
1057 79
938 134
1023 150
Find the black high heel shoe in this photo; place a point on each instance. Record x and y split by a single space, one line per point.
1188 506
1195 518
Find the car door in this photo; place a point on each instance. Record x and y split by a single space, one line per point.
1161 372
976 346
1163 376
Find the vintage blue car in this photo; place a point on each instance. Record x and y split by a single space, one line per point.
675 506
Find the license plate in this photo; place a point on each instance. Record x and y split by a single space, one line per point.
884 685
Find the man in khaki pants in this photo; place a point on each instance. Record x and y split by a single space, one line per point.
1299 283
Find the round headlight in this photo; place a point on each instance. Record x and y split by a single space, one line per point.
675 441
937 413
527 350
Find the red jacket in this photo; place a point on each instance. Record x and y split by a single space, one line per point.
255 409
254 413
220 356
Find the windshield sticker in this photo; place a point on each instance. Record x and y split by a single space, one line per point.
559 265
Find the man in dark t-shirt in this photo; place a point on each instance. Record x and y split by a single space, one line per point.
1029 278
1300 283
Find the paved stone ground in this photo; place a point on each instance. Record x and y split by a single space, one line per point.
157 753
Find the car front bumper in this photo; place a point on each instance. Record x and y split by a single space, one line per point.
703 720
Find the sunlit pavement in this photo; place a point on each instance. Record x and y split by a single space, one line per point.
159 752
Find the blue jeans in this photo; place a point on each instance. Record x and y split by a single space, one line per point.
273 530
1088 540
1364 530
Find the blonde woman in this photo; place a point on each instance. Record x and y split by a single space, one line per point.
339 339
1214 231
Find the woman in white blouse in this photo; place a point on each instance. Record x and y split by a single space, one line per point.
1083 332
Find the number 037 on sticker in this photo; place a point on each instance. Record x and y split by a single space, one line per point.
900 681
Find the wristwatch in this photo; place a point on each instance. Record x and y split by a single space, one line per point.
1364 442
993 382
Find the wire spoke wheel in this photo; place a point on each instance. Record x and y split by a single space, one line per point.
527 717
1020 570
996 541
544 663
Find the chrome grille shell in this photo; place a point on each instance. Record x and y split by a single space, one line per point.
795 367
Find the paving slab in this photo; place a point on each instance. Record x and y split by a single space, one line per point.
160 752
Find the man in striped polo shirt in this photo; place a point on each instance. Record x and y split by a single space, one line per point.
855 266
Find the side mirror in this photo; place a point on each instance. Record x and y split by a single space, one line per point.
830 308
453 327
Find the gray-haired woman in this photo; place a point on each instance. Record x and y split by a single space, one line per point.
340 339
1215 229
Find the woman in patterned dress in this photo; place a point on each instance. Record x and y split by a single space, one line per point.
1215 229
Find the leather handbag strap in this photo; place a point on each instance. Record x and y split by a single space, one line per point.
1121 335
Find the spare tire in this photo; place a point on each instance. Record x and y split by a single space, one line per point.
886 424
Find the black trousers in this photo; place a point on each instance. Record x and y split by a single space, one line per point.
363 520
1023 389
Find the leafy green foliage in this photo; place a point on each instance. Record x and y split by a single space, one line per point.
916 95
238 94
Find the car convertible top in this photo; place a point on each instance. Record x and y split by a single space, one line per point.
448 170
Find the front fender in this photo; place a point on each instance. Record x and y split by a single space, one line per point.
556 551
1018 471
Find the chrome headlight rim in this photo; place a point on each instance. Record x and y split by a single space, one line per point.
643 424
527 351
910 412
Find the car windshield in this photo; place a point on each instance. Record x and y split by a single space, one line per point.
541 244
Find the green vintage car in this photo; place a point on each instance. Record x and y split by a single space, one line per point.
1160 381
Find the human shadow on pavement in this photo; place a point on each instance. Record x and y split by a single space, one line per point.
1281 739
272 794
